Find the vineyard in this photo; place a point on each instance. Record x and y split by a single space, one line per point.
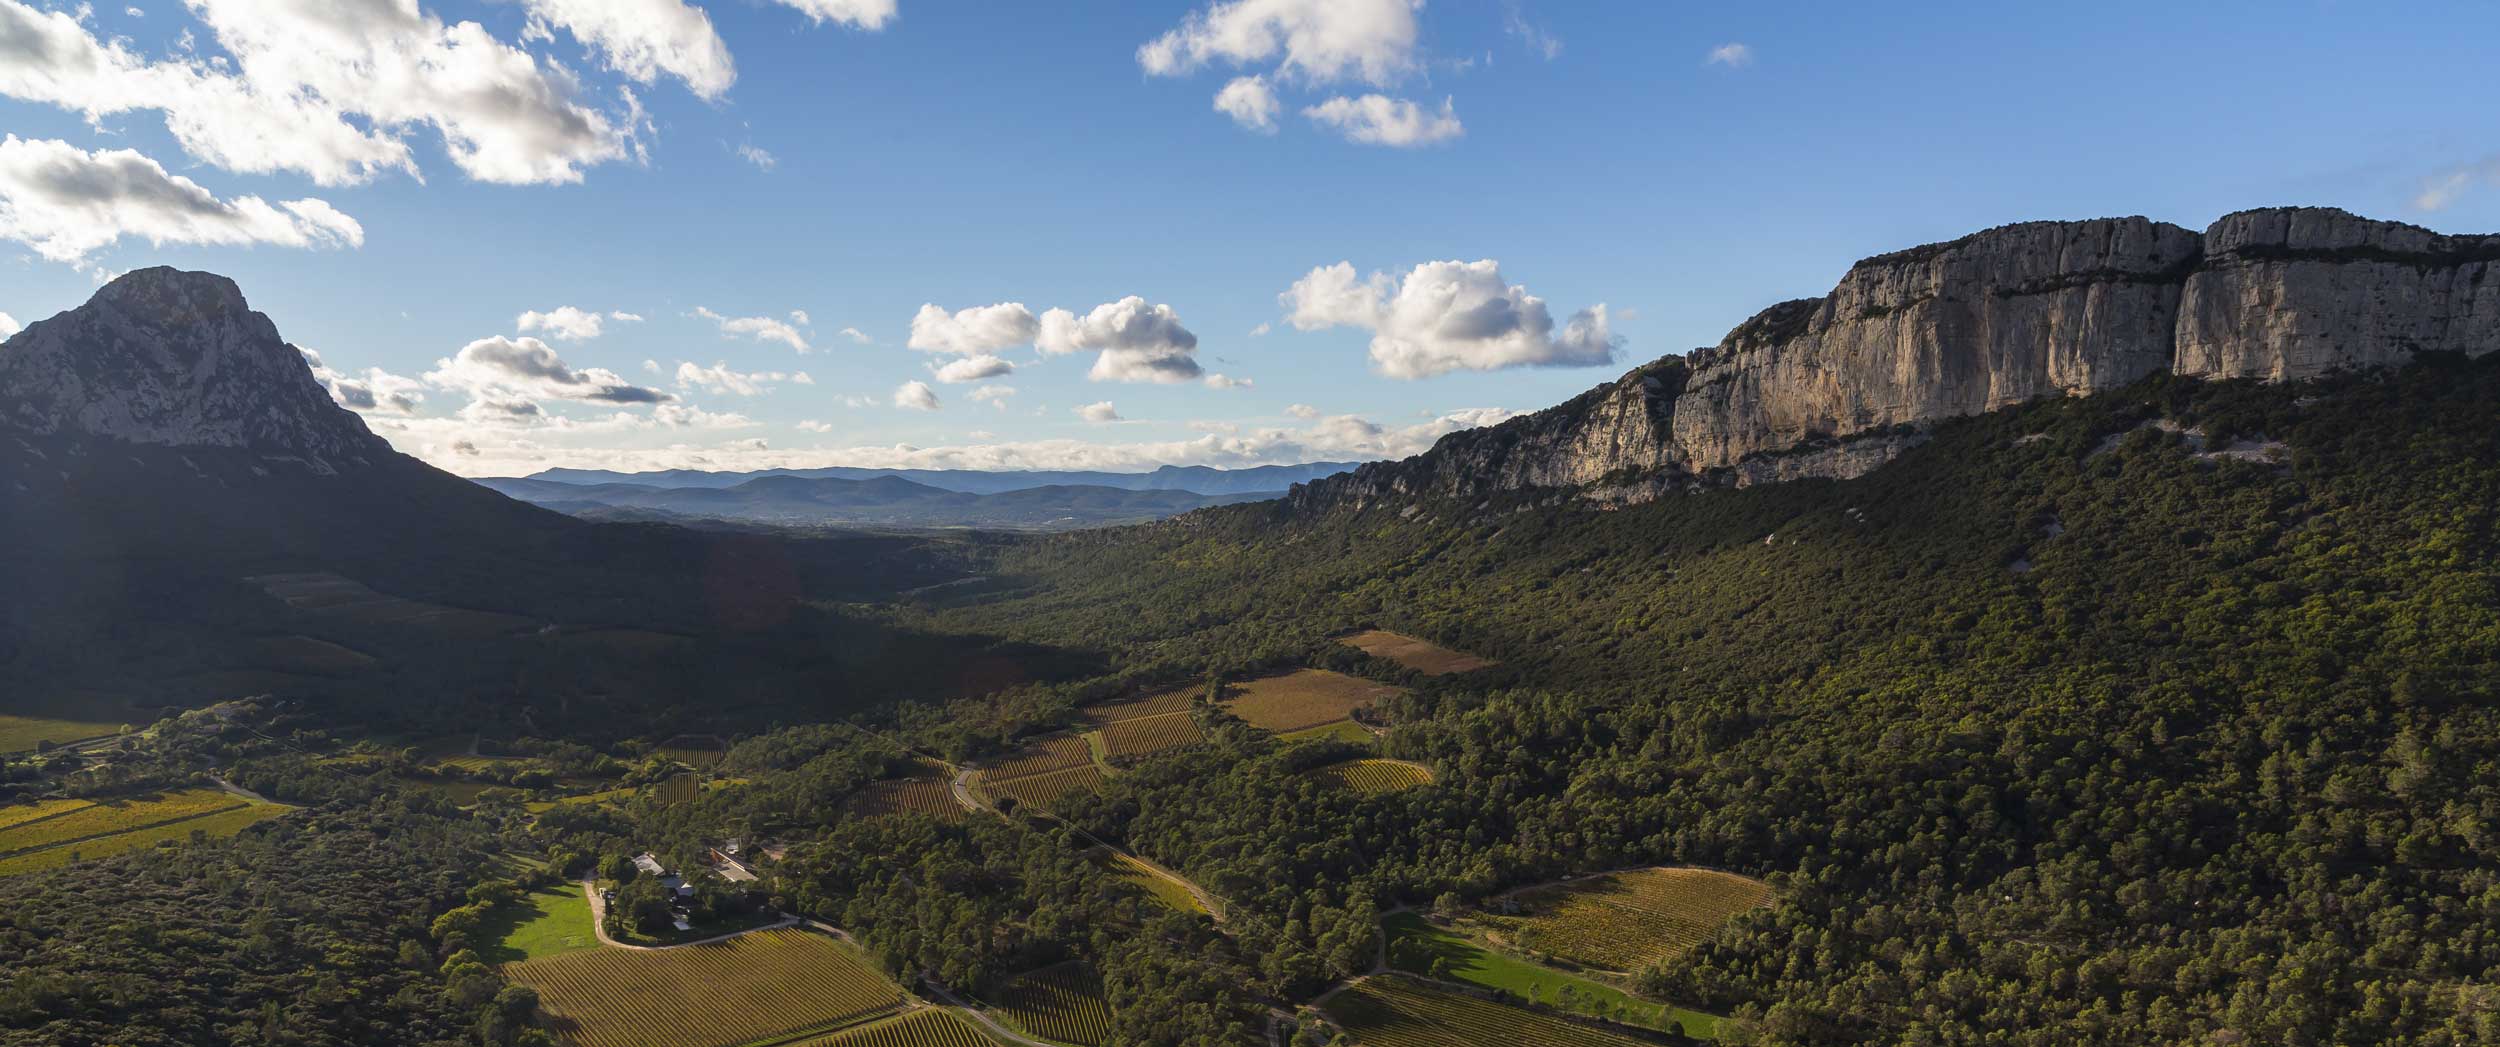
764 986
1373 776
218 822
1163 704
927 796
107 818
1627 921
1049 754
1149 735
1303 700
1041 790
926 1027
1422 656
23 733
694 750
1062 1003
20 814
1157 884
1389 1011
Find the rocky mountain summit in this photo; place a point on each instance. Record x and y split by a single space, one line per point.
176 359
1837 385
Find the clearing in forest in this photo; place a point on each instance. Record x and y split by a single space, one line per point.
1062 1003
928 796
1419 946
547 921
926 1027
1423 656
1302 700
1373 776
1386 1010
1148 735
27 733
1164 887
1625 921
54 834
765 987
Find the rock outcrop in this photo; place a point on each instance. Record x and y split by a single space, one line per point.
1837 385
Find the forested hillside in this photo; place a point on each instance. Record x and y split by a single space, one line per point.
2161 715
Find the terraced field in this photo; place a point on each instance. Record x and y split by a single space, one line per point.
767 986
1041 790
929 796
1146 736
926 1027
26 733
1423 656
1386 1010
1164 704
1302 700
1062 1003
76 829
1154 882
1627 921
1373 776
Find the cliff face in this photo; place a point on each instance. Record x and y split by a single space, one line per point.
1838 385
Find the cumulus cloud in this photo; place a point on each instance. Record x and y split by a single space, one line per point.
813 426
974 331
857 336
974 368
9 326
1250 102
375 390
643 39
1731 55
1382 120
1219 381
2444 188
566 323
504 372
1099 412
1138 342
762 160
1304 411
67 203
333 89
762 328
719 378
995 395
1447 316
916 396
871 15
1318 41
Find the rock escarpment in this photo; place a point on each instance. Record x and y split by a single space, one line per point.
1837 385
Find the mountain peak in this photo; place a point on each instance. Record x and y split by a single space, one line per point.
174 358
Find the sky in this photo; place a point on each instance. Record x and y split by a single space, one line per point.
642 234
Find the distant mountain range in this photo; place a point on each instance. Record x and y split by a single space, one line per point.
1269 480
884 500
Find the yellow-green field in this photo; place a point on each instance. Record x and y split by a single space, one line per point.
1423 656
602 796
1157 884
1302 700
765 987
1062 1003
1627 921
1386 1010
547 921
75 830
926 1027
25 733
1373 776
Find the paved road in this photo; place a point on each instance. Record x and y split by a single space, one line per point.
962 787
976 1014
241 792
599 925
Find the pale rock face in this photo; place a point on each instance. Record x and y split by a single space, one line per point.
2298 292
175 359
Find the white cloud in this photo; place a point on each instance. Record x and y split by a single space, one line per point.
1382 120
9 327
505 372
1138 342
857 336
623 317
1533 36
761 328
67 203
1218 381
376 391
1318 41
973 331
858 14
643 39
1250 102
916 396
762 160
331 89
1303 411
1099 412
719 378
2444 188
813 426
1731 55
564 323
1261 330
973 369
996 395
1447 316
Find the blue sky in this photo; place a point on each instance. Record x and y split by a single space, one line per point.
968 155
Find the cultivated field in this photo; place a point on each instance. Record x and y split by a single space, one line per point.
1158 885
1049 754
1163 704
1373 776
602 796
1302 700
1627 921
1146 736
305 654
1415 944
16 813
1389 1011
1340 731
77 829
765 986
1062 1003
694 750
1422 656
926 1027
346 598
1041 790
927 796
25 733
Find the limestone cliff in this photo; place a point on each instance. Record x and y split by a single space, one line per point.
1837 385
